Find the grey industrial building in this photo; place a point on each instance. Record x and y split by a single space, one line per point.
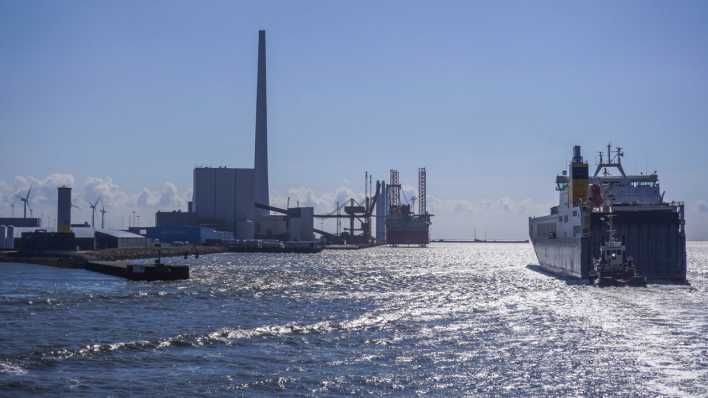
176 218
107 239
223 198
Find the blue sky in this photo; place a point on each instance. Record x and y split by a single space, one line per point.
489 96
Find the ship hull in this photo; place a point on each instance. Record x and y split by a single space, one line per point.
654 238
408 237
561 256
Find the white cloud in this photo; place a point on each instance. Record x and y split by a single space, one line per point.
702 206
119 203
501 218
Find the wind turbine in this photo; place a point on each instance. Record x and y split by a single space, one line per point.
26 201
103 215
93 211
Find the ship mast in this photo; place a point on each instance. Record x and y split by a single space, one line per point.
612 161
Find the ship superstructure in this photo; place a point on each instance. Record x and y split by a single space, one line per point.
568 239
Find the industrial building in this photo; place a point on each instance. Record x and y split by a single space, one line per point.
39 241
85 236
224 197
7 237
184 234
28 222
109 239
300 224
293 224
176 218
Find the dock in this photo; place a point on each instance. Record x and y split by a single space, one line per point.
140 272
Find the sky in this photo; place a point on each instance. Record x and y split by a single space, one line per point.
123 99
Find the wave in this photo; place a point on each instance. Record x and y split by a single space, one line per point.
9 368
225 336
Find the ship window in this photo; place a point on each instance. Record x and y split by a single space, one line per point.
576 230
565 218
575 213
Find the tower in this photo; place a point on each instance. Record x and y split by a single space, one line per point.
422 192
261 154
64 209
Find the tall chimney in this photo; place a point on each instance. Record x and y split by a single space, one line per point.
64 209
261 155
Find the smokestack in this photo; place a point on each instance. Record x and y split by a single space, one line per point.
64 209
261 155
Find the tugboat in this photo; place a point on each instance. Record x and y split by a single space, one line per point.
614 267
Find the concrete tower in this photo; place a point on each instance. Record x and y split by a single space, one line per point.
64 209
261 155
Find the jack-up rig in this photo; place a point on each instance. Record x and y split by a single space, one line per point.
395 221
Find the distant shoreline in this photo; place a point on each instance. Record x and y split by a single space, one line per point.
81 258
476 241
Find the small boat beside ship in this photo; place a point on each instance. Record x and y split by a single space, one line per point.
614 267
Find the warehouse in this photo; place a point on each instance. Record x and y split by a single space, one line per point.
109 239
184 234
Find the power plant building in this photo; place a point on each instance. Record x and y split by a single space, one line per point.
223 197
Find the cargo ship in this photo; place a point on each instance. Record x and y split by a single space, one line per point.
569 239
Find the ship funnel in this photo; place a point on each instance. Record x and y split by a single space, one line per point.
577 157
